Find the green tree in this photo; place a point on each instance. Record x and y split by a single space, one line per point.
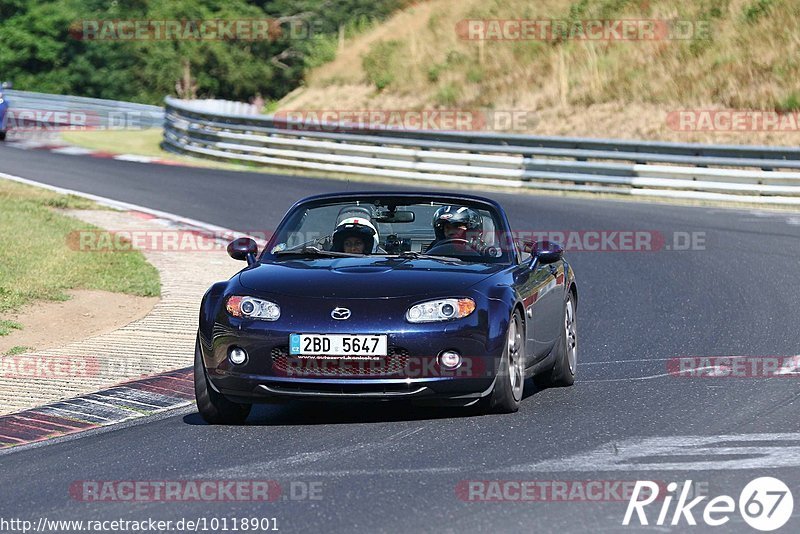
42 49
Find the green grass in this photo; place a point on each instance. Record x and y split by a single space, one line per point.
381 63
141 142
448 94
138 142
756 10
7 326
475 74
13 351
38 262
790 103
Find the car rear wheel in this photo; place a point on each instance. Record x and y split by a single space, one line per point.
510 382
562 373
214 408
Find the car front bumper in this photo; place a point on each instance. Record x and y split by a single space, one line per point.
411 371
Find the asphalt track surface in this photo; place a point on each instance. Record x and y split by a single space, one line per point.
394 469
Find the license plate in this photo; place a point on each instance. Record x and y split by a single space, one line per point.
337 345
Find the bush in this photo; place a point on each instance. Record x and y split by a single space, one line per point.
790 103
448 94
475 74
756 10
379 63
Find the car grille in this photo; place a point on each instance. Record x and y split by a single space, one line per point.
386 366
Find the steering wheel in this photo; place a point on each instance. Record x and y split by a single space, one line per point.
453 241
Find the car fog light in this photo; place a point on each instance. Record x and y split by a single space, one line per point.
450 359
237 355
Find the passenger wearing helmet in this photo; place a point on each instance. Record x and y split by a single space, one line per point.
355 235
354 245
457 222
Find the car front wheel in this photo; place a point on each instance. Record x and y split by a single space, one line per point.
510 382
562 373
214 408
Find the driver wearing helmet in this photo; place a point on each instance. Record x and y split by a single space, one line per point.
355 235
459 223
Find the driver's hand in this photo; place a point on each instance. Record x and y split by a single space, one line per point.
482 248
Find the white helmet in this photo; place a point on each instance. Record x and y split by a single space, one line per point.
356 227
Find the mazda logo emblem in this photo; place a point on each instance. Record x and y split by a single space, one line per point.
340 314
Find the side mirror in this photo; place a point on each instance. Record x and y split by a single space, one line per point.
545 251
243 249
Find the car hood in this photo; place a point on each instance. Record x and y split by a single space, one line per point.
365 277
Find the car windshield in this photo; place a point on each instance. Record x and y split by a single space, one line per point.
446 231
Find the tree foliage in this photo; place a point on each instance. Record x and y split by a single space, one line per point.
42 46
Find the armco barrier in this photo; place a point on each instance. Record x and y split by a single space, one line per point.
767 175
47 109
230 131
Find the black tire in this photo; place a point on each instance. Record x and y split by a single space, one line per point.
213 407
562 374
2 136
510 383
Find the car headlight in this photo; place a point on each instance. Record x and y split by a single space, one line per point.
253 308
440 310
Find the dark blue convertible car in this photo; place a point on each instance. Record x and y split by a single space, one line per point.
423 297
3 110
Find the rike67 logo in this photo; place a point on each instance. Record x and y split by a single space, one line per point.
765 504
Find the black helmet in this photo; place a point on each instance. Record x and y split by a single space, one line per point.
457 215
355 227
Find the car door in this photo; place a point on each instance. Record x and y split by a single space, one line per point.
537 286
549 312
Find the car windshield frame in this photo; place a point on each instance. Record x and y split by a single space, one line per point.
502 228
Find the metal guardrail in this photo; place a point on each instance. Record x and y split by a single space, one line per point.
224 107
755 174
63 111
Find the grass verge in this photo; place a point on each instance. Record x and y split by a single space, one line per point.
38 263
142 142
16 350
7 326
137 142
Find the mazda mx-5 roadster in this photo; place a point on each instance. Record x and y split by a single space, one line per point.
3 110
422 297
